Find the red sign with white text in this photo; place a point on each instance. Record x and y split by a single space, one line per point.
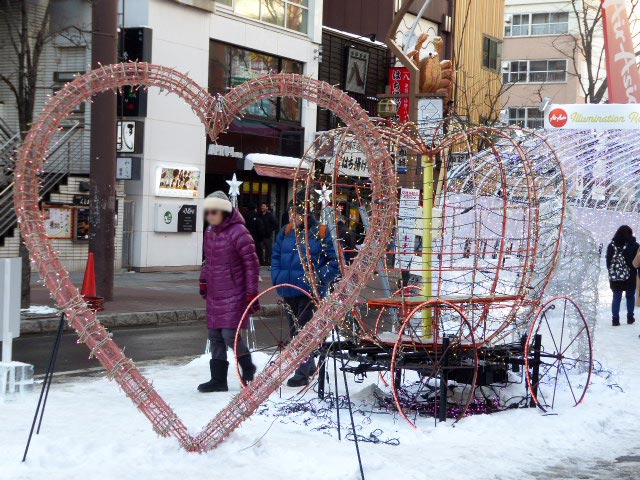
399 83
558 117
623 78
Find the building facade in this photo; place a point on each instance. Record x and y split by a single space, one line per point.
477 49
161 143
539 59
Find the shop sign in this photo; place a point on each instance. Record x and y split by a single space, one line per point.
357 70
223 151
353 164
170 218
400 82
592 117
177 182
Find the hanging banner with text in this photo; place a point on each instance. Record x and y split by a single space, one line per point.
592 117
399 83
623 78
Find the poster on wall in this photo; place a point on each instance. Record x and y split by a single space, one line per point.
357 69
58 222
409 213
170 218
177 182
82 224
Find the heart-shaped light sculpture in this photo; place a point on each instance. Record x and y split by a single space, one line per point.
216 113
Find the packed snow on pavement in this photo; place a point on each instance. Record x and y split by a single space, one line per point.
92 428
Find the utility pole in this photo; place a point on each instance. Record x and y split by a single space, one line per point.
104 51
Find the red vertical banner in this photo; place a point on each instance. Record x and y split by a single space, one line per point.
399 83
623 78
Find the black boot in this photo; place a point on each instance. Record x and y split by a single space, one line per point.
247 367
218 382
615 322
630 319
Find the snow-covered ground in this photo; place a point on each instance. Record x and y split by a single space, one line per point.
91 430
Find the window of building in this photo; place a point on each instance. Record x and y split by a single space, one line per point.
230 66
290 14
528 117
517 25
532 24
534 71
491 51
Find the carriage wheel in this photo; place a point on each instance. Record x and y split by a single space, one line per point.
265 337
434 376
560 336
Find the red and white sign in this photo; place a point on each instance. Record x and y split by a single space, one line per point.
558 117
592 117
623 78
399 83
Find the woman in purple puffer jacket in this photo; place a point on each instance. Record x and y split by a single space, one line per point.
228 282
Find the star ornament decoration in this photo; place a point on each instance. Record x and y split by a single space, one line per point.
234 188
324 195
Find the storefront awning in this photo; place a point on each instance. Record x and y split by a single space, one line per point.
274 166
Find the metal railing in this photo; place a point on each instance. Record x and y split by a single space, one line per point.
61 159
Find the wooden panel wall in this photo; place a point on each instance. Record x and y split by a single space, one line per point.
478 89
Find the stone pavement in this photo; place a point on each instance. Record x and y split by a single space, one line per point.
162 298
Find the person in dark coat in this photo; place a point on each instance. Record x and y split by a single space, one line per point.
348 241
286 267
622 274
228 282
270 226
255 227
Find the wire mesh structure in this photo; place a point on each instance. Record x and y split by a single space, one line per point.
495 226
477 238
216 114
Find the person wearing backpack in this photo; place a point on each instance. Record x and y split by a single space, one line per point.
287 268
621 254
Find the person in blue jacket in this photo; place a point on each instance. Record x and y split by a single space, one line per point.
286 267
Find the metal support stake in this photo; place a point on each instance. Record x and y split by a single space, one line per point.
535 371
442 411
46 384
322 371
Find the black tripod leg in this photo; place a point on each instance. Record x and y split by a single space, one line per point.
353 425
335 378
54 356
45 384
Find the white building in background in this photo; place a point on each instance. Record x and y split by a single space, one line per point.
219 44
539 59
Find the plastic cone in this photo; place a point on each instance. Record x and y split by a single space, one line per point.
89 282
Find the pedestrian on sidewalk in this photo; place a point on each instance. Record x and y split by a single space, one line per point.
621 254
228 282
256 228
270 226
286 267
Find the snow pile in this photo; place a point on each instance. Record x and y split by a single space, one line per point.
90 426
39 310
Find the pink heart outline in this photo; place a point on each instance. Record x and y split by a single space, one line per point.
216 113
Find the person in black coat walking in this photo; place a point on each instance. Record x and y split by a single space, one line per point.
254 225
270 225
622 274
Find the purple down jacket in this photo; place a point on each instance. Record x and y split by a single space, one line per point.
231 271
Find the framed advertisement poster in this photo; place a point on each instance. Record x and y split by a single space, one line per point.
58 222
357 69
177 182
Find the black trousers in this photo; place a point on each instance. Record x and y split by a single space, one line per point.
300 311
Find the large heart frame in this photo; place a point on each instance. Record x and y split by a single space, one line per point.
216 113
